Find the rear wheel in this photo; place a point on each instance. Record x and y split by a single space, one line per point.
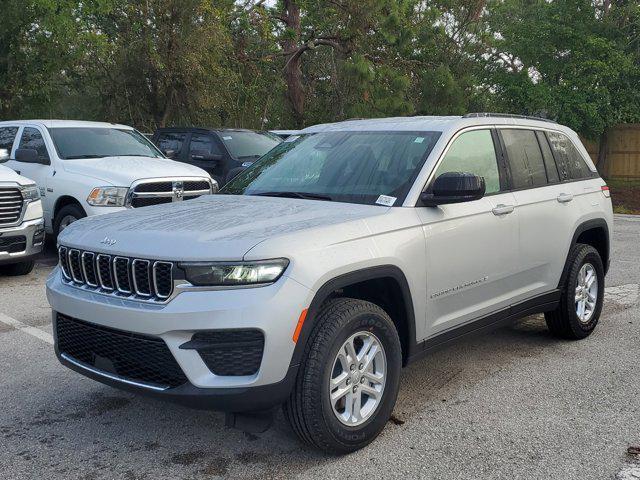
18 269
348 382
583 293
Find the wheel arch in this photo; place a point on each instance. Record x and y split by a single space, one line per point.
63 201
593 232
384 285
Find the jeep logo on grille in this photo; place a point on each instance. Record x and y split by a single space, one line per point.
108 241
178 190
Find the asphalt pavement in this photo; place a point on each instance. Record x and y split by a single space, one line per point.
512 404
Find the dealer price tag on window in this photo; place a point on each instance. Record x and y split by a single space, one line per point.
386 200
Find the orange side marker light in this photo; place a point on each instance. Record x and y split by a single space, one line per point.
296 333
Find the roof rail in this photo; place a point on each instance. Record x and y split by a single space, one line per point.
506 115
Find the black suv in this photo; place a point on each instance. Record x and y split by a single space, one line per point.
222 153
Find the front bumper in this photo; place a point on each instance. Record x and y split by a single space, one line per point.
33 231
274 310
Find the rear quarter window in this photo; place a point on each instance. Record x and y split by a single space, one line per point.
7 137
570 161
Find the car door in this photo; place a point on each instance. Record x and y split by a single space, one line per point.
206 152
470 247
32 137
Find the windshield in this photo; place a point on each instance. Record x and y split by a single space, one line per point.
248 144
354 167
85 142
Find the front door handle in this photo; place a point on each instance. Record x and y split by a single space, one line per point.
502 209
565 197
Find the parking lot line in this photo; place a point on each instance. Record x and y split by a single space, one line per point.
33 331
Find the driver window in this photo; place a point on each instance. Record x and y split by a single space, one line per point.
473 152
32 138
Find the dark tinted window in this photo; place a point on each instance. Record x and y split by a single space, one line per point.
170 143
525 158
32 138
570 162
7 136
203 145
549 162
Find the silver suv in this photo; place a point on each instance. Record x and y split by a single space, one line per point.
347 252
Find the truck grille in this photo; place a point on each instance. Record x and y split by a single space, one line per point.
154 192
13 244
132 356
130 277
11 203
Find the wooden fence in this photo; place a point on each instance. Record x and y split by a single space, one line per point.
623 152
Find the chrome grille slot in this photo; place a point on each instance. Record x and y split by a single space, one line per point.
89 268
121 274
135 278
75 266
11 204
64 262
104 272
140 275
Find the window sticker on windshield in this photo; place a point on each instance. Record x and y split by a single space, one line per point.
292 138
227 138
419 140
386 200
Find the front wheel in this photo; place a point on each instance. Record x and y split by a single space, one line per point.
66 216
18 269
582 297
348 382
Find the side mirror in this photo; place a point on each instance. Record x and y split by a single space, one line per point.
204 155
4 155
454 187
169 153
29 155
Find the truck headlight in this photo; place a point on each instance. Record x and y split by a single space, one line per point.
107 196
30 192
234 273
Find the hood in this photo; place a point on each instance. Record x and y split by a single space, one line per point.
122 171
8 175
213 227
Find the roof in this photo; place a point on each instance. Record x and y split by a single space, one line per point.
431 123
65 123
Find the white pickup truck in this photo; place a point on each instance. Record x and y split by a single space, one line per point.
90 168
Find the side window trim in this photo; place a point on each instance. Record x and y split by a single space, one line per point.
503 162
539 134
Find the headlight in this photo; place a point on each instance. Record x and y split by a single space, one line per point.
107 196
234 273
30 192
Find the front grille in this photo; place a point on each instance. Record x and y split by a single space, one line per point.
11 203
155 192
132 356
126 277
229 352
13 244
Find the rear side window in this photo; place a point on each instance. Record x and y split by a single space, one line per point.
525 158
171 143
473 152
549 162
570 162
7 137
203 145
32 138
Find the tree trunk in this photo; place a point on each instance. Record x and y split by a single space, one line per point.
292 70
601 161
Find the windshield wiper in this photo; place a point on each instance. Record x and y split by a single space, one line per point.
303 195
77 157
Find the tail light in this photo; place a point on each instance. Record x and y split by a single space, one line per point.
605 191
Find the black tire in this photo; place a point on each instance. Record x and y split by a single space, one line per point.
72 210
308 409
18 269
563 322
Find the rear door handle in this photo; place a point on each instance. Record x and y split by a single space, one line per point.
502 209
565 197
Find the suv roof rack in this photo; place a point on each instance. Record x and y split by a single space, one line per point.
506 115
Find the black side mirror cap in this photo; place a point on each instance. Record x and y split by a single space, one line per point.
454 187
30 155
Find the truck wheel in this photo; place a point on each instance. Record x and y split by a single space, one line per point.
348 381
66 216
582 296
17 269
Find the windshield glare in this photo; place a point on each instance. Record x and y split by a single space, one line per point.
248 144
86 142
355 167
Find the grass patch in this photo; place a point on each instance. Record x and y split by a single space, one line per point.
625 196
